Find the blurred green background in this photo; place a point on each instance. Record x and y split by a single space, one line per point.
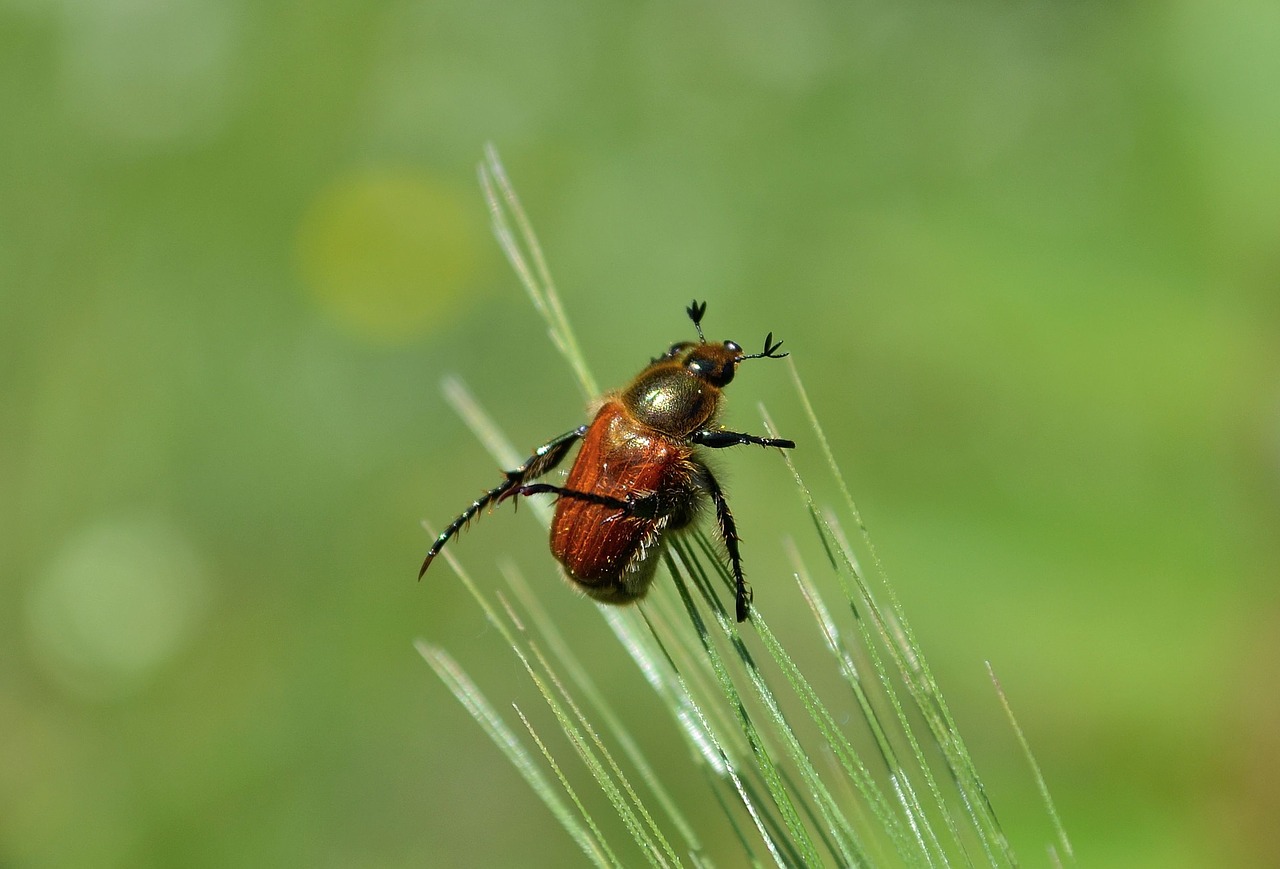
1027 257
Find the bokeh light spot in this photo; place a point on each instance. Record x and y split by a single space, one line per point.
117 601
387 254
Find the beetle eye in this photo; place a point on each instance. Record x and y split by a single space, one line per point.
711 365
732 347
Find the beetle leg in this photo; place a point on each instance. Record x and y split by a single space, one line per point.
719 438
657 505
561 491
544 458
729 533
654 506
548 455
651 506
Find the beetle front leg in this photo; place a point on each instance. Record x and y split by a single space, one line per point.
717 439
544 458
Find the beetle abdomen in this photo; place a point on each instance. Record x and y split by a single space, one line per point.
608 553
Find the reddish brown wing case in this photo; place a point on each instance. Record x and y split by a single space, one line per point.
619 458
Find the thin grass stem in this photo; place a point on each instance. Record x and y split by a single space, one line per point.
765 764
1041 785
473 700
578 674
504 206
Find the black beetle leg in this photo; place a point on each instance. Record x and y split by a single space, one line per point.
544 458
561 491
720 438
729 533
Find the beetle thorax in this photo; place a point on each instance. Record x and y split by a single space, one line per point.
672 400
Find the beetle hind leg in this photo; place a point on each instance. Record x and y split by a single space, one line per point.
562 492
544 458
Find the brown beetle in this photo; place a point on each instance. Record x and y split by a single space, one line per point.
638 474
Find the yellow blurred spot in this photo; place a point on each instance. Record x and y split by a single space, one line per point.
387 254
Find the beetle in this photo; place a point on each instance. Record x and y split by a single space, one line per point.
638 475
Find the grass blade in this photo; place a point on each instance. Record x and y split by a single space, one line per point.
504 207
475 703
1041 785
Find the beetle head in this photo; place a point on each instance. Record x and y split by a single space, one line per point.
716 363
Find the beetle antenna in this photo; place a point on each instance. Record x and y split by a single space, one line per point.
695 312
770 350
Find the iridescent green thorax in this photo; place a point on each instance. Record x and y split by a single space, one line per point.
679 393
